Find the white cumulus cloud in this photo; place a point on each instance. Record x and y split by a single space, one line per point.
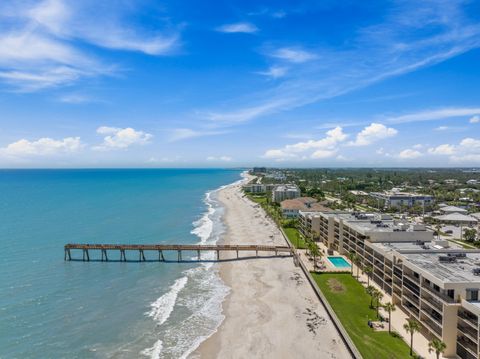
475 119
445 149
120 138
42 147
466 152
409 154
373 133
322 148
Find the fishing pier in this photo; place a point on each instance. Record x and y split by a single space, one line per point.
122 249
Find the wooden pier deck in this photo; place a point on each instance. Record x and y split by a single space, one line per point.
161 248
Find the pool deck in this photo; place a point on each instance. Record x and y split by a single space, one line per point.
323 264
344 262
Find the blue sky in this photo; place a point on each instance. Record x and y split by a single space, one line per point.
239 83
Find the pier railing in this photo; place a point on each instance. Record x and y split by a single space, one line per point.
161 248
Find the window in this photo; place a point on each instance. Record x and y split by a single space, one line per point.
472 295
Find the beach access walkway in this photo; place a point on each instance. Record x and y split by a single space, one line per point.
161 248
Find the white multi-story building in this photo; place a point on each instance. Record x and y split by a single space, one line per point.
437 285
285 191
402 199
258 187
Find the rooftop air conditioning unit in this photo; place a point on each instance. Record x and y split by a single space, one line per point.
447 259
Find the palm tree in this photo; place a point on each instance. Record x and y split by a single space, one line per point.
352 256
389 307
368 271
358 262
315 252
411 326
437 346
438 227
370 290
378 297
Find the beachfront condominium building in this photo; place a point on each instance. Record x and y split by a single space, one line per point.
285 191
437 285
258 187
291 207
395 199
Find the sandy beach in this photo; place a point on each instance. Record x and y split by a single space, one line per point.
271 311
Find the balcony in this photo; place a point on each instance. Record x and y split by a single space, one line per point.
397 273
431 325
445 298
467 344
468 318
468 331
433 315
410 276
432 302
378 280
409 307
411 296
464 354
412 286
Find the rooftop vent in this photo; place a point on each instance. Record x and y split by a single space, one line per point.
447 259
457 255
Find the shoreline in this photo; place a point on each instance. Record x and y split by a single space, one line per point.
270 301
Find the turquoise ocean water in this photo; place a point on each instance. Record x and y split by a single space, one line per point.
55 309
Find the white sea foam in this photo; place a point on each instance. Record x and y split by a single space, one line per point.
160 312
204 226
154 352
163 306
202 297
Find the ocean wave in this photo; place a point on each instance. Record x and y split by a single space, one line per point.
202 297
161 310
203 227
163 306
155 351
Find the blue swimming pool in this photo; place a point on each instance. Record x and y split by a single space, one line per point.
339 262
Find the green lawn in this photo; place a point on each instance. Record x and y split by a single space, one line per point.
258 199
352 308
292 236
